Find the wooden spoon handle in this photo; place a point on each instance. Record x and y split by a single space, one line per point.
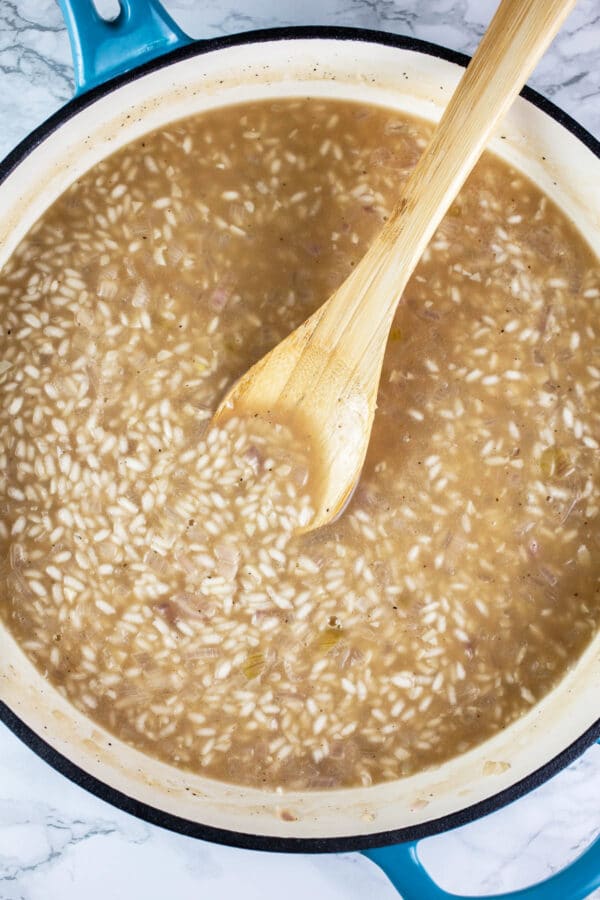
356 320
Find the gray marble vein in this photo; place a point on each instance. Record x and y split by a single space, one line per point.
57 841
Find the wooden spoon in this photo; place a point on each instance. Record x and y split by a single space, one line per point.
322 380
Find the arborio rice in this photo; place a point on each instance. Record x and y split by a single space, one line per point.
151 567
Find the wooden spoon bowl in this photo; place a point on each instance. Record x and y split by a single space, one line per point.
322 380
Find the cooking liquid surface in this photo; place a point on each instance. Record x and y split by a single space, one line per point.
149 566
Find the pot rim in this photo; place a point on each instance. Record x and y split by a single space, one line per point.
117 798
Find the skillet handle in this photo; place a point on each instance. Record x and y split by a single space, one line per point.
402 866
103 49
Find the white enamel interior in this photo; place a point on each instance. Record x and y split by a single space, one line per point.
405 80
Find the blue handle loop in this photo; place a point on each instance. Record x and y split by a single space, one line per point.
405 870
402 866
102 49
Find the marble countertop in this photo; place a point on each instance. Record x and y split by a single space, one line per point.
57 841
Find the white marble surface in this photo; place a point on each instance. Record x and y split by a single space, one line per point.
57 841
